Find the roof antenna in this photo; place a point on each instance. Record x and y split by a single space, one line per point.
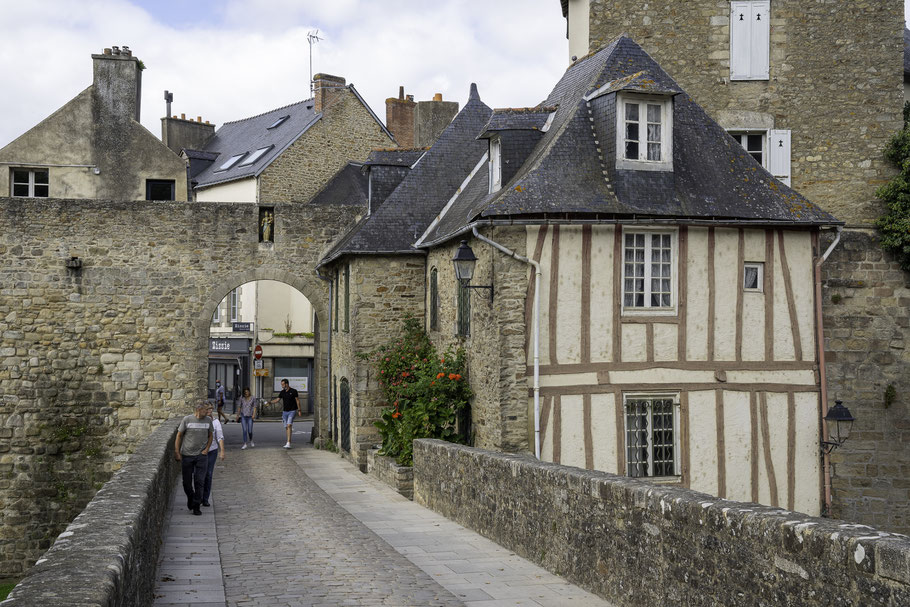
312 37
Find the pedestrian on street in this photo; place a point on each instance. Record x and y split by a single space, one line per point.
216 451
194 437
219 399
247 415
290 401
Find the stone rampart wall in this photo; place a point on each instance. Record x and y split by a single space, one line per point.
642 544
109 554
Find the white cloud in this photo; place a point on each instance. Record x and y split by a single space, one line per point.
253 56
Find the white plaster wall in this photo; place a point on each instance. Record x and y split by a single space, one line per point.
799 257
603 429
578 28
634 342
545 355
703 441
697 306
568 335
242 190
573 438
777 425
602 304
808 478
737 439
726 245
278 301
666 340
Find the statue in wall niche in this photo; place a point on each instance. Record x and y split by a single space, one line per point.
266 221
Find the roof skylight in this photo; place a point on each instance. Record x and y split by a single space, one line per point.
231 161
254 156
278 122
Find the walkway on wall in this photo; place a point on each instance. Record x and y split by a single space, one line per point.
304 527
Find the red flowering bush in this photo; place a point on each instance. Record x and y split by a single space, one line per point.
424 391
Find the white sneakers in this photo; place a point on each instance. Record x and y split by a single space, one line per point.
287 445
243 447
252 444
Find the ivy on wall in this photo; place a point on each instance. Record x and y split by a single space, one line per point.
894 225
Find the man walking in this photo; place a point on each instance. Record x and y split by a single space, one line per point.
194 437
290 401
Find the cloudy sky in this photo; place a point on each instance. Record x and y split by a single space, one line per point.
229 59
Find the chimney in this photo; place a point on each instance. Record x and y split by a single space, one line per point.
431 118
325 88
117 83
399 118
185 134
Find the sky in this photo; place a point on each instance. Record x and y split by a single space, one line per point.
229 59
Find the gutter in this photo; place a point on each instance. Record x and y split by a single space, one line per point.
823 383
536 265
328 365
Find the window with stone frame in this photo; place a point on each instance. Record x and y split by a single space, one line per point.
648 281
755 143
347 297
335 291
462 310
216 315
234 305
433 304
652 434
29 183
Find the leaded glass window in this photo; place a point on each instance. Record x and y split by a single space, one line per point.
651 436
648 270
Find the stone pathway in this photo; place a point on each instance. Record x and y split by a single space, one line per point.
306 528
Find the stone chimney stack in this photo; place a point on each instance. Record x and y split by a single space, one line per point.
431 119
325 88
117 83
399 118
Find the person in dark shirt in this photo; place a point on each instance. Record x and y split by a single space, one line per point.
290 405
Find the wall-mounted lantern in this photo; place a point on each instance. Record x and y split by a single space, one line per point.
840 422
74 263
465 261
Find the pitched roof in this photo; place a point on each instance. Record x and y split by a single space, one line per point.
406 213
517 119
573 167
404 157
349 186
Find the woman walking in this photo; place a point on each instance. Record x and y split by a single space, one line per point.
216 451
247 415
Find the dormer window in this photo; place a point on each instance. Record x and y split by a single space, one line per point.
495 164
231 162
277 123
644 133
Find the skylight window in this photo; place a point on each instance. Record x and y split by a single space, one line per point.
278 122
231 161
254 156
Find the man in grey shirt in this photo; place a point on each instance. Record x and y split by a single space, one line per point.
194 437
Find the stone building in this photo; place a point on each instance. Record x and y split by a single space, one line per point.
94 146
825 80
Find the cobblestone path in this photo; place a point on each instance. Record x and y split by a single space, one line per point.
284 541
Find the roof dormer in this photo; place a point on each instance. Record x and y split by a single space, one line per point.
644 132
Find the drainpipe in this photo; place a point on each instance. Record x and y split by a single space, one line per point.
826 457
536 265
328 356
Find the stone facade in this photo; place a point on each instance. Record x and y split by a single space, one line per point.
92 358
848 54
399 478
641 544
347 131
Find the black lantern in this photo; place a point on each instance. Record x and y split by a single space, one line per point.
464 262
840 422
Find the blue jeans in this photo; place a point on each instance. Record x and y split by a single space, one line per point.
209 471
193 468
246 422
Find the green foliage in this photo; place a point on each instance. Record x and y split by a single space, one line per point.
303 334
836 298
68 432
424 391
894 226
5 589
890 395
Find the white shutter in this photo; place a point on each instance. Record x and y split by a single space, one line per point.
779 154
760 40
740 26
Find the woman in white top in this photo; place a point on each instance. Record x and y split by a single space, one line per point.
215 451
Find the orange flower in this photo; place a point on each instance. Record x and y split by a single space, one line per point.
451 376
457 376
440 375
433 382
396 415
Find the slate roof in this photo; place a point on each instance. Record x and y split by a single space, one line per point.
404 157
517 119
573 170
406 213
349 186
199 161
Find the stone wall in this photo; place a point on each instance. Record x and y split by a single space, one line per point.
399 478
92 359
641 544
347 131
109 554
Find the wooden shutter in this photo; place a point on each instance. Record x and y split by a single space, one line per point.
750 39
779 154
760 40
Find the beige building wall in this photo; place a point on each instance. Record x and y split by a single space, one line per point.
281 305
241 190
740 364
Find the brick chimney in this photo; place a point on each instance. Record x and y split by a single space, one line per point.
325 88
117 83
399 118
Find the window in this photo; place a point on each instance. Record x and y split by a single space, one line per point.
754 143
652 435
216 315
434 300
234 305
753 275
159 189
750 39
335 319
648 259
347 297
495 164
28 183
644 133
277 123
231 162
252 158
463 311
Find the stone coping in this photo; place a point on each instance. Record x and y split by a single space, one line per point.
387 471
108 555
639 543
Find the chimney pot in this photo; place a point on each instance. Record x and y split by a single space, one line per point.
198 118
182 116
410 97
107 51
437 97
401 93
116 50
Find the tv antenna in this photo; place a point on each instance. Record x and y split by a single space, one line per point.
312 37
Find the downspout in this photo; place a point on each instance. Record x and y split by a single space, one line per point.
536 265
820 337
328 356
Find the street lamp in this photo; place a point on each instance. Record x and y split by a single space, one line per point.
465 261
840 422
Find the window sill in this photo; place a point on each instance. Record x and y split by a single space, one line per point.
633 313
625 164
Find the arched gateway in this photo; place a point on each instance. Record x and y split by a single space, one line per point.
105 308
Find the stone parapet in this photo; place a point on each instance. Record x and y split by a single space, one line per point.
109 554
399 478
638 543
